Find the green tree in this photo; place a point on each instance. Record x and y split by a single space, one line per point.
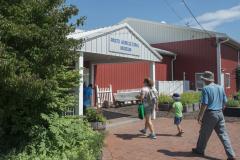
36 77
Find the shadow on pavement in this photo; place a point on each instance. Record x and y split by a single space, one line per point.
130 136
184 154
113 115
167 135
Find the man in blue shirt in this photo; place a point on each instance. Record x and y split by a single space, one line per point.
87 94
211 116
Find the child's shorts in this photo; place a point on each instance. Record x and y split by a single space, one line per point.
177 120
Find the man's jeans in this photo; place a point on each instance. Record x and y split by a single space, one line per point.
214 120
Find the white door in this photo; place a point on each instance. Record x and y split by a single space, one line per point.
222 79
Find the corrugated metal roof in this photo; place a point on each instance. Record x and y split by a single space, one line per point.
79 34
156 32
172 26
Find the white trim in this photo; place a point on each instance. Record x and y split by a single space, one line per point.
219 58
92 81
79 65
196 81
218 62
223 79
227 86
153 72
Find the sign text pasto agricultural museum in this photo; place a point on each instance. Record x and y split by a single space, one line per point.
123 46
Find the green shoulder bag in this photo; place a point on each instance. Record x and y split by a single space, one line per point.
141 112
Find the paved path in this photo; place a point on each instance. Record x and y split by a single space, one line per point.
126 143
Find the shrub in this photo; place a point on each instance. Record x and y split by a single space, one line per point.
37 81
66 138
92 115
164 99
190 97
238 95
233 103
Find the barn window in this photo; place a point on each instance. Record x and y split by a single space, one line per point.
199 84
227 80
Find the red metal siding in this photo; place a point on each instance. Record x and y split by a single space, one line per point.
129 75
229 65
192 56
163 69
121 75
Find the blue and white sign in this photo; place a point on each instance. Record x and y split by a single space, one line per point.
120 45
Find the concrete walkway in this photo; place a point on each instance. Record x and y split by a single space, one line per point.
124 142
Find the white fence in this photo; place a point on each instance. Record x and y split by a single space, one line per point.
127 95
170 87
69 112
129 90
104 94
163 87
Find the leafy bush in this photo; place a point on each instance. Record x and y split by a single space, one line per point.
238 95
190 97
92 115
233 103
37 81
164 99
66 138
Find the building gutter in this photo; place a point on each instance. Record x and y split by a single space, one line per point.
172 63
238 57
164 52
219 63
168 53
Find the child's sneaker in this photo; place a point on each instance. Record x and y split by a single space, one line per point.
152 136
179 134
143 131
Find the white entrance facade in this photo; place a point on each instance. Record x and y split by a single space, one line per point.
115 44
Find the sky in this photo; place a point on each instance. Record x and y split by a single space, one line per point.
214 15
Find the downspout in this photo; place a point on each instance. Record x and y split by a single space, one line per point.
238 57
172 62
219 63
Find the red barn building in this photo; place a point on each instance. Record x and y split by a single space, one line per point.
196 51
120 55
186 52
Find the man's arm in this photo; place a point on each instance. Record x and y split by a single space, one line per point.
201 113
224 100
204 101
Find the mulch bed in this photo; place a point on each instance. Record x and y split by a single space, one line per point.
131 111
